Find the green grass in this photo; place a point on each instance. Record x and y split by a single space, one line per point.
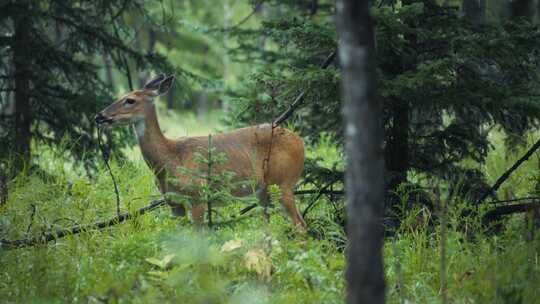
157 258
113 264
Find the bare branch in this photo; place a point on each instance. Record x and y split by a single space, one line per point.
509 172
51 236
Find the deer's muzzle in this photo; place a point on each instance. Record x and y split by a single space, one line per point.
100 119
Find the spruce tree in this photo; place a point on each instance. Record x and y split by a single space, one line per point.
51 63
443 81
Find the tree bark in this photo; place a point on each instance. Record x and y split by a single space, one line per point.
365 162
22 65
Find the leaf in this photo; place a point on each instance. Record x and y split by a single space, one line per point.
232 245
163 263
257 260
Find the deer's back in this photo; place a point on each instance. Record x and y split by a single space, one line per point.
246 150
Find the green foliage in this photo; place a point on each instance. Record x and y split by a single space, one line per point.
466 93
159 258
70 42
443 84
154 257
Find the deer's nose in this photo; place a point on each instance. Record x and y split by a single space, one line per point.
100 118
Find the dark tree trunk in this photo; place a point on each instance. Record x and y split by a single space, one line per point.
474 10
22 64
522 8
365 162
3 187
397 138
397 149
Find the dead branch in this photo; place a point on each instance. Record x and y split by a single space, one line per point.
509 172
500 211
60 233
292 107
323 191
527 198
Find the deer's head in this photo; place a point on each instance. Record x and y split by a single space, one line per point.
132 106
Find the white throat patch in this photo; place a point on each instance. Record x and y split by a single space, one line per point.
140 127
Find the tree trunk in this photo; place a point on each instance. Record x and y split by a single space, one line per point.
152 39
3 187
474 10
107 62
227 16
365 162
522 8
397 149
202 105
22 64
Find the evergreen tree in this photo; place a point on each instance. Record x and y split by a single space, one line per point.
443 82
51 56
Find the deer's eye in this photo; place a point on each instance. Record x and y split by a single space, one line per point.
129 101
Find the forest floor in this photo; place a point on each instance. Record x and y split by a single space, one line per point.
244 259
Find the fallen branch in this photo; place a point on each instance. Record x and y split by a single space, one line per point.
320 193
60 233
315 191
300 192
527 198
509 172
497 212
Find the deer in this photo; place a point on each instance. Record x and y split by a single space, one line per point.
264 154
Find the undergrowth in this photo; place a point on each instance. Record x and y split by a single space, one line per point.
159 258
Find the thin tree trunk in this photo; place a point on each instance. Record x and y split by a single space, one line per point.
227 16
107 62
23 118
202 105
3 187
397 150
365 162
152 39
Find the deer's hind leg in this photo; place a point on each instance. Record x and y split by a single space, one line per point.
287 200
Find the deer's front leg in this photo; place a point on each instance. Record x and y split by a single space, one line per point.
197 213
177 208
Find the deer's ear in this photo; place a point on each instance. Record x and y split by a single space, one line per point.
166 85
153 84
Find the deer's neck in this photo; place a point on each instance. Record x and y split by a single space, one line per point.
153 143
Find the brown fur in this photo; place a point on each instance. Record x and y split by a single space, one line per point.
246 150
